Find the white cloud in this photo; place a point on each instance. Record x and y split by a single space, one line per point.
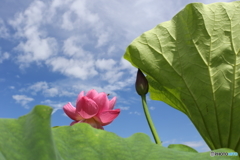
152 108
112 76
81 55
113 72
67 22
111 49
4 56
72 47
38 87
52 92
37 45
102 39
110 71
23 100
105 64
3 30
57 89
135 112
11 87
44 88
123 108
77 15
80 8
78 68
36 48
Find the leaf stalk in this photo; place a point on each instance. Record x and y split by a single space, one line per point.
149 120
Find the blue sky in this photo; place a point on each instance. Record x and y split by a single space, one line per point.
50 50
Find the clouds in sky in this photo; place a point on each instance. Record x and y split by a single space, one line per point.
72 38
44 88
23 100
4 56
135 113
3 30
124 108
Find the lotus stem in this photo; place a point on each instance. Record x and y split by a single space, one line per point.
149 120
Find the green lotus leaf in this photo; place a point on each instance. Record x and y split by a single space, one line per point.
192 63
31 137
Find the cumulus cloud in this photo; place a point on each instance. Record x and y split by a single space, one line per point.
11 87
59 88
123 108
44 88
47 34
103 38
4 56
105 64
152 108
72 47
135 112
78 68
3 30
76 13
23 100
36 46
38 87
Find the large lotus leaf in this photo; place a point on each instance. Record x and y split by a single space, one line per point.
192 63
31 138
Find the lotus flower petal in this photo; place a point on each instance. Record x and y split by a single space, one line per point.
81 94
112 103
71 112
108 116
87 108
92 94
102 101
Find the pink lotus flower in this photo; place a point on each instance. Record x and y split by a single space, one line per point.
94 109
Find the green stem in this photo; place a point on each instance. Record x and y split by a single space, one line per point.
149 120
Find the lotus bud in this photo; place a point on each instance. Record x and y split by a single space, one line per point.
141 83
